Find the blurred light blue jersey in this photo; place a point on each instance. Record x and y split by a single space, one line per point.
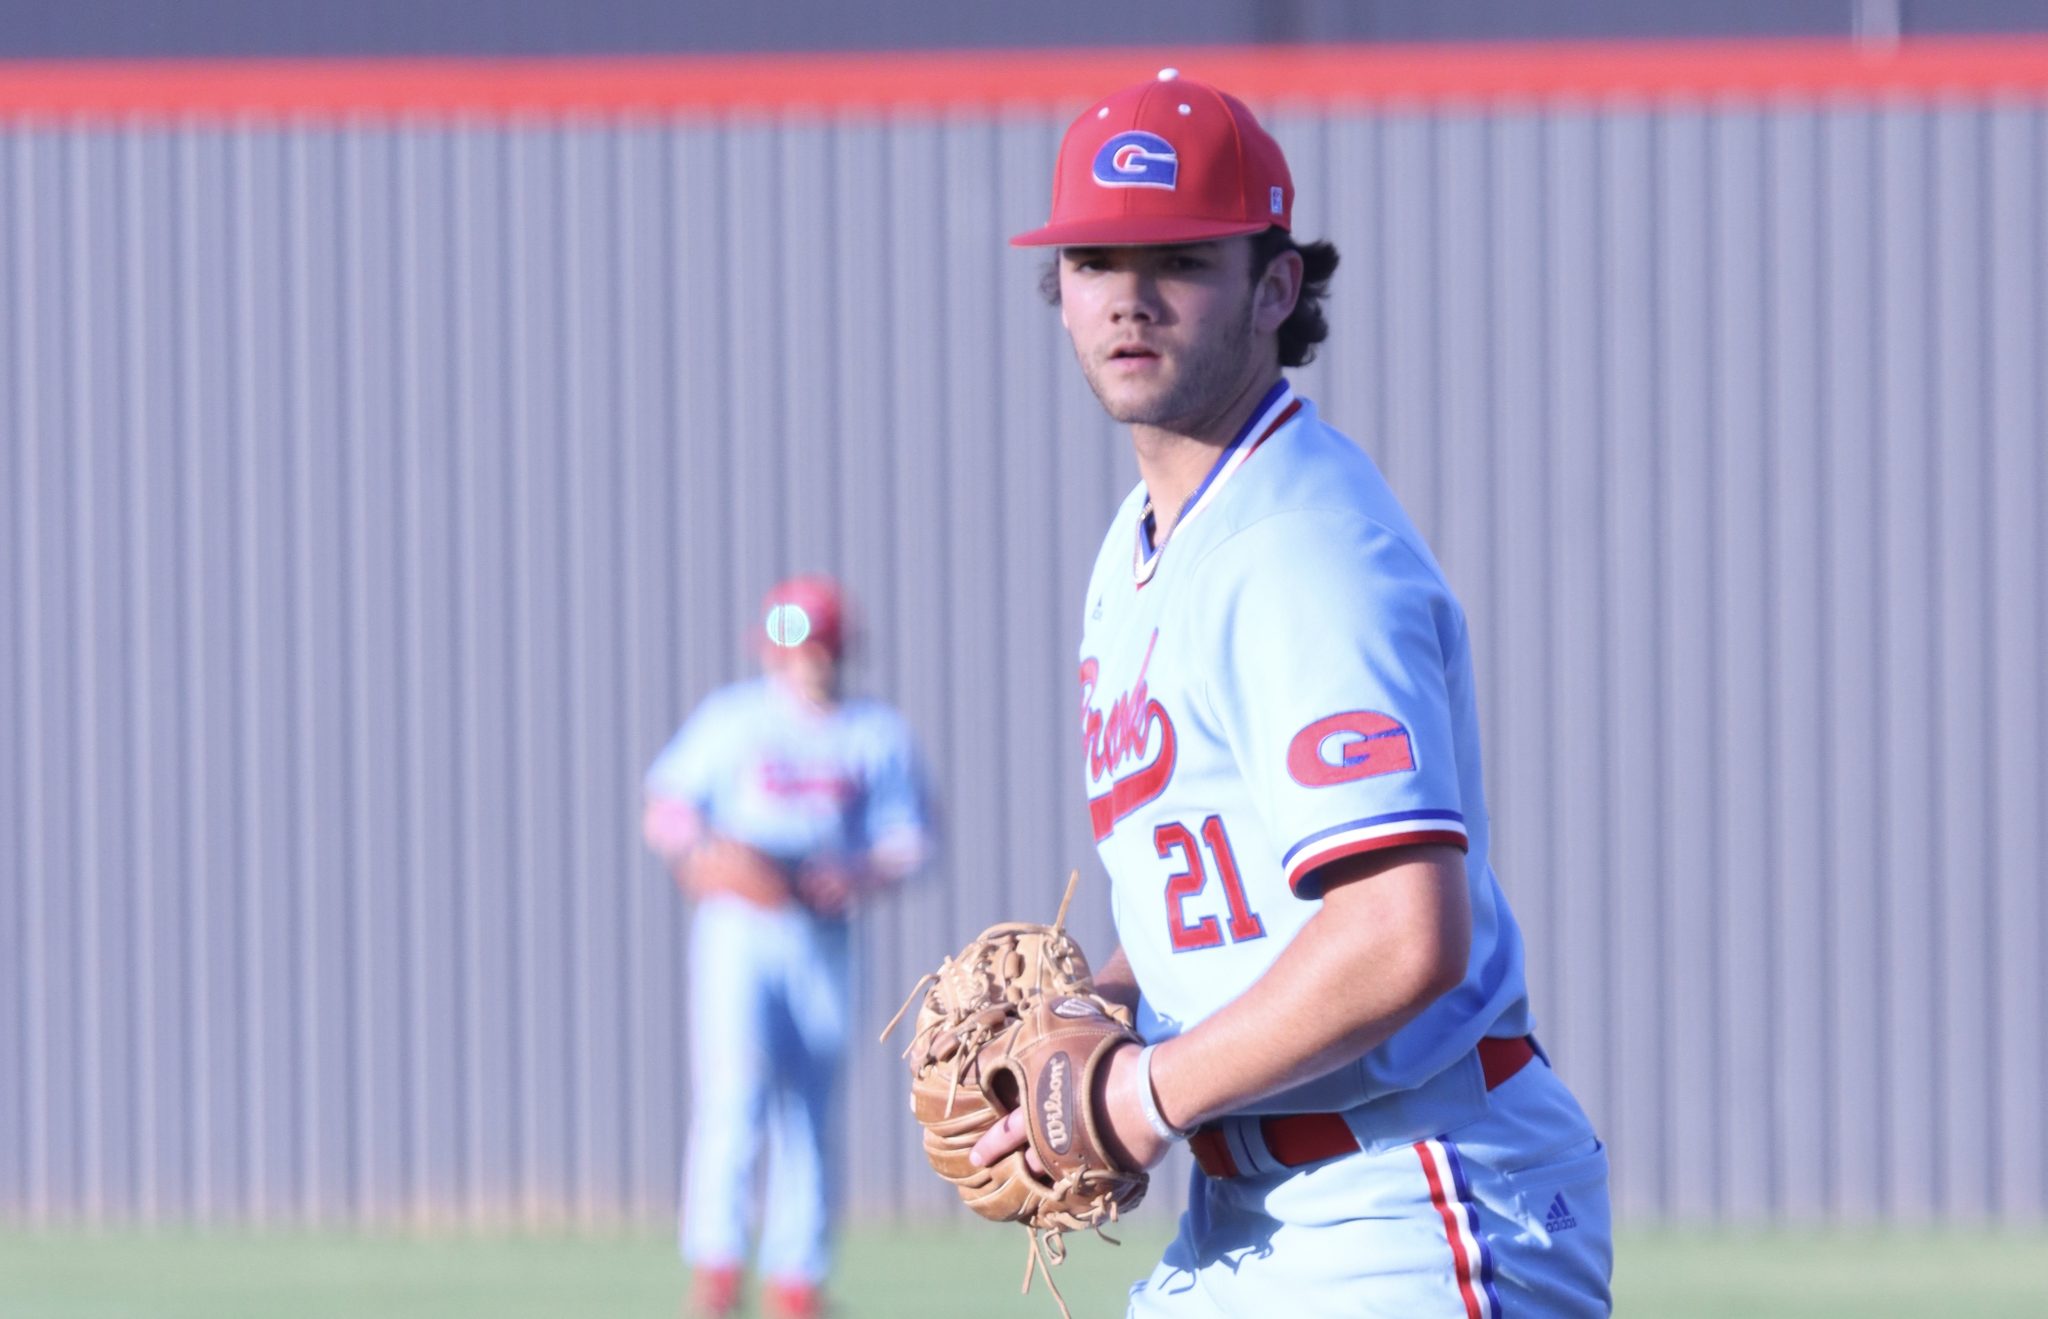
1285 683
766 768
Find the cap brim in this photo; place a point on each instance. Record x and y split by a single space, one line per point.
1135 231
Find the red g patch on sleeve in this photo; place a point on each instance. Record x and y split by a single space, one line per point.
1342 748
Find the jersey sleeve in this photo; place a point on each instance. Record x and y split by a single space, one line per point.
896 816
688 768
1329 635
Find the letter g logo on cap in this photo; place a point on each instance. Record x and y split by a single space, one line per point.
1137 160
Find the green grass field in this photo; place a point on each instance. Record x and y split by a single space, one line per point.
931 1273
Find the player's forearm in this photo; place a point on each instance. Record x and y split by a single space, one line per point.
1383 948
670 828
1115 981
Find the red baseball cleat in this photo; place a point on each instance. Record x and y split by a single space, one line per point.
714 1293
794 1300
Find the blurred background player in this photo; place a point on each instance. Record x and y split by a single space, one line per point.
778 806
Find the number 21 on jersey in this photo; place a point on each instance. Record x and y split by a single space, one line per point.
1174 842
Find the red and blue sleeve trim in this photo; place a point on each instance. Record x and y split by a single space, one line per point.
1372 834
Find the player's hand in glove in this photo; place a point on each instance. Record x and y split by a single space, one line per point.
1126 1133
1011 1037
725 865
827 887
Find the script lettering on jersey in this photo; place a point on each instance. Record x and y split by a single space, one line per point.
1341 748
779 779
1121 735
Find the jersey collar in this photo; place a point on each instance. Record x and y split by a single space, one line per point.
1275 410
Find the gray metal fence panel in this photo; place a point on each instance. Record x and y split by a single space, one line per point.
379 495
2017 212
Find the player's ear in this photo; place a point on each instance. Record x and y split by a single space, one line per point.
1278 289
1050 284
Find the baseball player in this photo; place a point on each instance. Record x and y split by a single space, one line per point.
779 805
1282 758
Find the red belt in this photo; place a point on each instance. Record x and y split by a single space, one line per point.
1294 1139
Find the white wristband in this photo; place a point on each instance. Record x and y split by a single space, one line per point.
1165 1130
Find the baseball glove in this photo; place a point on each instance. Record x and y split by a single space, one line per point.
1013 1022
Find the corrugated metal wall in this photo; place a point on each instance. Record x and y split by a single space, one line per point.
108 28
377 497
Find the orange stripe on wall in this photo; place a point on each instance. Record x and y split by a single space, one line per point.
1026 80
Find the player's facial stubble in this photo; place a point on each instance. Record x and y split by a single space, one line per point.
1191 309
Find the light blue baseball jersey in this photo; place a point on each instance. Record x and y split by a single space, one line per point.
1286 682
768 769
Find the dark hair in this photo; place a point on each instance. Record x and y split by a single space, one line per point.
1305 327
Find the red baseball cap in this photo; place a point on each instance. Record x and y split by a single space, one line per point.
1171 160
805 611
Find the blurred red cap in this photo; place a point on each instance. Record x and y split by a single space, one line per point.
806 611
1171 160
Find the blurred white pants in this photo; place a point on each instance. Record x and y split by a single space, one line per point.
767 1015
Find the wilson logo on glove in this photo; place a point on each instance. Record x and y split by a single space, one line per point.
1056 1083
